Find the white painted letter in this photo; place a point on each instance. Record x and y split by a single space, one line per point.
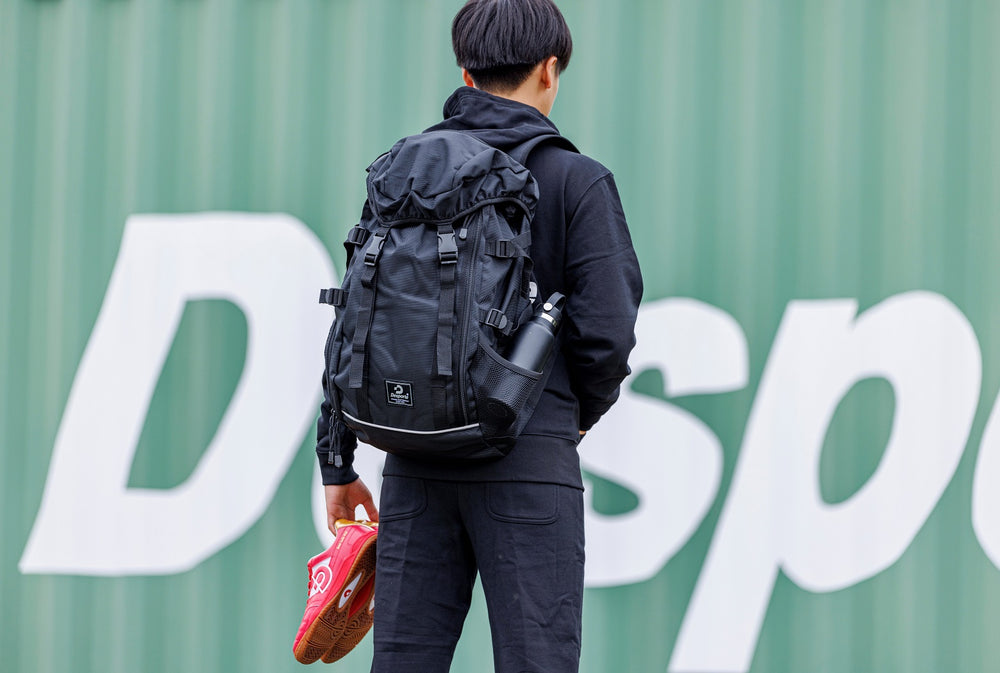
986 488
775 518
666 455
270 266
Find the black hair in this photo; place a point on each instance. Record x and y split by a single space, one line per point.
501 41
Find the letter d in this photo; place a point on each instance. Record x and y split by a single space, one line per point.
270 266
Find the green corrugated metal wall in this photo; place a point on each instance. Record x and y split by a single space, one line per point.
765 152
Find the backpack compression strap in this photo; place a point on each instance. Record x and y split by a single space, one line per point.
362 329
448 262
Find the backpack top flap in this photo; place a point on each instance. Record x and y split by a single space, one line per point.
440 176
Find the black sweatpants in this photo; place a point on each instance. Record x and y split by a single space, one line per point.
525 539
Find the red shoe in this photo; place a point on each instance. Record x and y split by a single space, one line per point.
334 579
359 623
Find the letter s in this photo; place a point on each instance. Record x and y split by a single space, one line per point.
665 454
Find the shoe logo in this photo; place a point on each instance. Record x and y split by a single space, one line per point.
321 578
346 593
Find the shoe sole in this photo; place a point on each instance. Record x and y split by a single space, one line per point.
332 621
357 628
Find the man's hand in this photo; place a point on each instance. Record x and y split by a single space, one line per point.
342 499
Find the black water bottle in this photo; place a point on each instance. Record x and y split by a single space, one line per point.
532 345
534 340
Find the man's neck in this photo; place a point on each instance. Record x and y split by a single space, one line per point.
517 95
536 91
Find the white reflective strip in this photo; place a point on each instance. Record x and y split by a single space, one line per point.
409 432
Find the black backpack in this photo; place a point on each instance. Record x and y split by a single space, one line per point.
438 280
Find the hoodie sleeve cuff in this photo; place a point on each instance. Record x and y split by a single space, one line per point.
595 410
332 474
339 439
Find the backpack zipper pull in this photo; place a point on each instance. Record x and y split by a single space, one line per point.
334 457
463 233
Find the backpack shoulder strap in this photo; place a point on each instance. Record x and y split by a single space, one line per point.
521 152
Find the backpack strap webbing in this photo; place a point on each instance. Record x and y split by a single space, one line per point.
334 296
439 404
362 329
521 152
509 248
448 266
358 235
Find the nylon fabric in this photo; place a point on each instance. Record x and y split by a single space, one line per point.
441 207
466 175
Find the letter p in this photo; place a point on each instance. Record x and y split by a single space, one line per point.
775 517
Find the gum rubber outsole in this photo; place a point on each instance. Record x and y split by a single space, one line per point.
332 621
357 627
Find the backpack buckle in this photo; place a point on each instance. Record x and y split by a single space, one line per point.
502 249
374 249
496 319
357 235
333 296
447 247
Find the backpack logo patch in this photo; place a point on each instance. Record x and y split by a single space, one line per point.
399 393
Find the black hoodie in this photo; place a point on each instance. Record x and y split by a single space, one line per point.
581 247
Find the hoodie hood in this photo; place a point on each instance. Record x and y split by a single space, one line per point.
499 122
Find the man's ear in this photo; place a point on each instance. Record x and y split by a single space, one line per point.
467 78
549 72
